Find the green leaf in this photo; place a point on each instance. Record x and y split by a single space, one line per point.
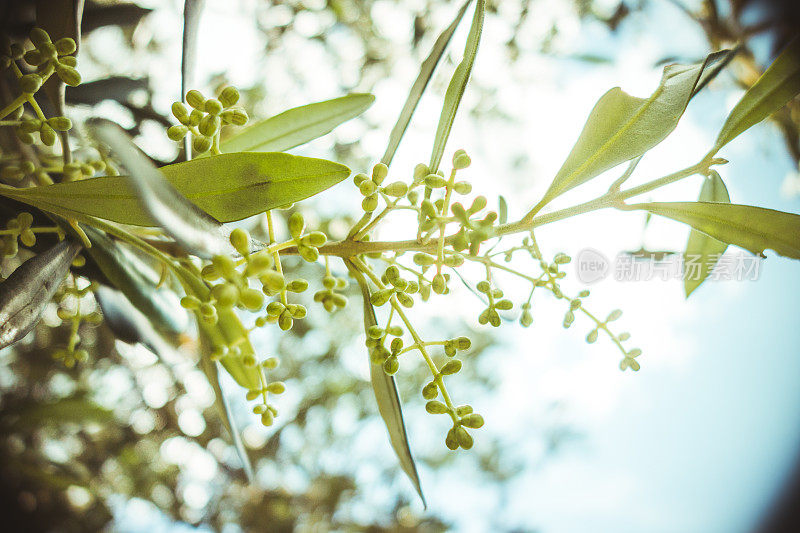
128 273
779 84
702 250
298 125
191 227
229 187
622 127
25 293
455 90
752 228
420 84
386 396
211 370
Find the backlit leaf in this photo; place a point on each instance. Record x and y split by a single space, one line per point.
298 125
779 84
753 228
703 252
191 227
229 187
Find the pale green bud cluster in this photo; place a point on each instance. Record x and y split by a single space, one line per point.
47 57
20 232
23 170
71 354
328 297
206 118
378 353
307 245
474 230
399 288
372 187
496 303
45 128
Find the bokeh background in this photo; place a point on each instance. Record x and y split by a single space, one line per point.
703 439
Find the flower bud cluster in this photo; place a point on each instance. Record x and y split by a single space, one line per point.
371 187
307 245
47 57
206 117
18 231
45 128
398 287
497 303
328 297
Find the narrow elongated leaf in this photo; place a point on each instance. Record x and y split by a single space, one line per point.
211 370
298 125
128 273
779 84
28 289
191 227
386 395
192 9
753 228
420 84
458 83
622 127
228 187
703 252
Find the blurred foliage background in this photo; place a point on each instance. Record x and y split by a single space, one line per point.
135 430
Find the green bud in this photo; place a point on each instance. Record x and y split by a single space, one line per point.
315 239
68 61
257 263
235 116
209 125
296 225
436 407
273 281
430 391
636 352
461 160
624 336
252 299
428 209
473 421
252 394
240 240
68 75
267 419
381 297
451 441
434 181
413 197
439 284
65 46
423 259
225 294
451 367
47 135
39 37
270 363
213 106
562 259
463 343
370 203
297 285
177 133
464 438
614 315
592 336
30 83
360 178
285 321
229 96
367 187
276 387
339 300
60 123
449 348
200 144
454 260
463 410
420 171
503 305
308 253
179 111
396 345
375 332
27 237
405 300
275 308
194 118
477 204
462 187
34 58
396 189
196 99
379 173
391 365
